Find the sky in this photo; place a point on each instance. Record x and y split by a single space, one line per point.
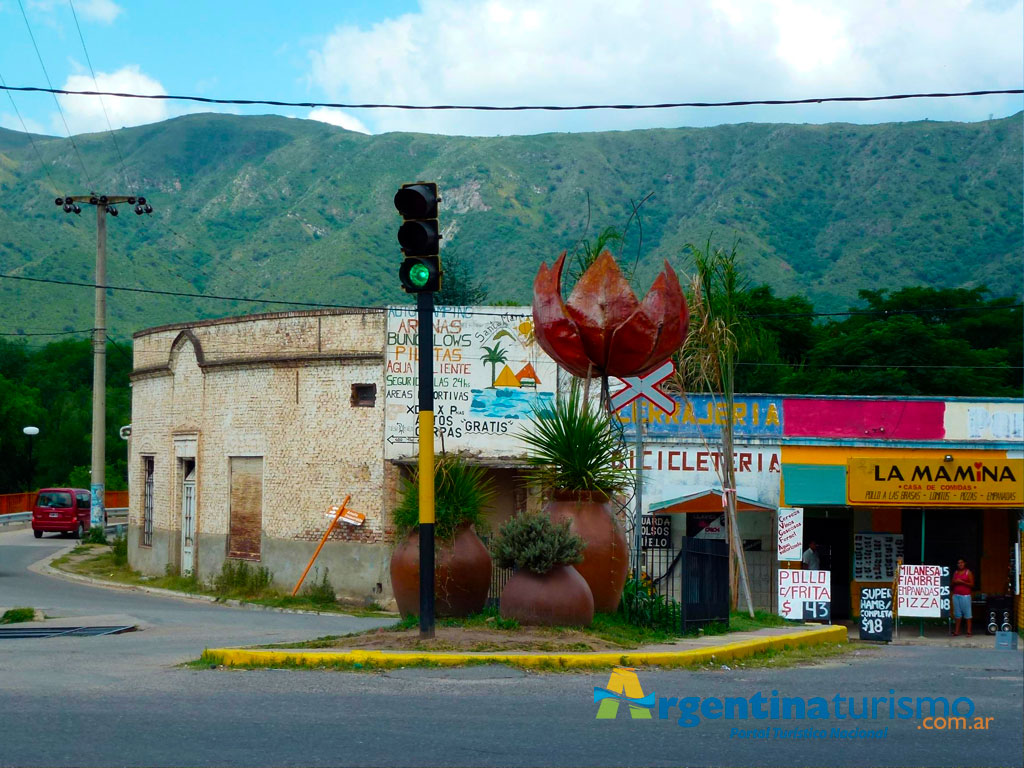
503 52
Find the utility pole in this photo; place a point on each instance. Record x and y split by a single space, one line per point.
104 204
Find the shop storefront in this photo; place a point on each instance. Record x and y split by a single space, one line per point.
928 481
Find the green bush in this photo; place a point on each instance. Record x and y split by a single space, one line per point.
461 492
534 543
642 606
239 578
97 535
120 551
320 592
574 446
16 615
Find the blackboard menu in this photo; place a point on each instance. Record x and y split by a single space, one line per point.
876 614
875 555
657 531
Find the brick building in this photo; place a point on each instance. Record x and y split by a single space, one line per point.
244 431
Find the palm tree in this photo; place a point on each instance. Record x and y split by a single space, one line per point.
494 355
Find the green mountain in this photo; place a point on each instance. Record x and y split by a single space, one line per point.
270 207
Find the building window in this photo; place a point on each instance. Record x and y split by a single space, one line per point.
147 502
364 395
246 523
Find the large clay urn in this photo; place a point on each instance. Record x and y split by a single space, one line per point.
462 574
559 597
606 558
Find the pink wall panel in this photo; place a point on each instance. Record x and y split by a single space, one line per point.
865 419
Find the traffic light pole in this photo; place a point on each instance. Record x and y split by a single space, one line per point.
425 312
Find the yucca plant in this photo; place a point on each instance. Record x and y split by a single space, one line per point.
574 446
531 542
461 492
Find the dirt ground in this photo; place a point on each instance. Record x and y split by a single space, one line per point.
474 639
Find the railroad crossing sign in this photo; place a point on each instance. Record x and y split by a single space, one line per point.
646 386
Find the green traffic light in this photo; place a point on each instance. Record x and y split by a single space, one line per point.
419 275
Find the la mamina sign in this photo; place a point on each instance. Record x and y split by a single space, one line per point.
992 481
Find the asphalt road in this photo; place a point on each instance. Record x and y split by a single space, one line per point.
120 700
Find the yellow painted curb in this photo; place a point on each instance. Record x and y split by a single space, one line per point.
601 660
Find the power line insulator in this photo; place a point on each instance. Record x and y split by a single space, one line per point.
149 209
77 208
94 200
131 201
142 201
112 211
138 210
67 208
59 201
103 199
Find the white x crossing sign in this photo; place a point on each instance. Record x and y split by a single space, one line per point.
646 386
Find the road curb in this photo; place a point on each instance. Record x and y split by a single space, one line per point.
355 658
45 568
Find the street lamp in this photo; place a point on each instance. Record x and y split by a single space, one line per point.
30 432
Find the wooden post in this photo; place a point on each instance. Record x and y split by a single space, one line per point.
331 527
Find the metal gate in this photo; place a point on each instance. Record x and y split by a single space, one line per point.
704 566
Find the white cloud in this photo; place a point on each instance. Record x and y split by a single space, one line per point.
104 11
85 113
338 118
10 121
605 51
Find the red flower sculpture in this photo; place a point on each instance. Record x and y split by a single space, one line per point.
603 329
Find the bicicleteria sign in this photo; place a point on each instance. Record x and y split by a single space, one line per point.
991 481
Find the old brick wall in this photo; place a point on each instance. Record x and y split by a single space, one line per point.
272 386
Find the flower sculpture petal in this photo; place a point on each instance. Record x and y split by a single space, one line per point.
603 329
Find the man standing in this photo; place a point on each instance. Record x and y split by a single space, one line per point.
810 559
963 583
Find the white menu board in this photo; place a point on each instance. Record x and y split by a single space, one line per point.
791 533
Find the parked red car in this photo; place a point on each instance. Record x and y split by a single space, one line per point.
61 510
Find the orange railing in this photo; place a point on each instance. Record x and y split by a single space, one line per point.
22 502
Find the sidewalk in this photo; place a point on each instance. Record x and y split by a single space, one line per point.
683 653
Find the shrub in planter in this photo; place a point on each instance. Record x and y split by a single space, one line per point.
578 456
462 566
545 589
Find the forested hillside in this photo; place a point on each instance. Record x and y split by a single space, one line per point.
269 207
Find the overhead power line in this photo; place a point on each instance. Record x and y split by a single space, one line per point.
522 107
496 312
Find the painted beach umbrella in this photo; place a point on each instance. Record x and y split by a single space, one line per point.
603 329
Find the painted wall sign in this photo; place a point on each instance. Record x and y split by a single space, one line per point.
923 591
657 531
805 595
984 421
703 416
992 481
875 556
673 472
876 614
791 533
489 372
865 419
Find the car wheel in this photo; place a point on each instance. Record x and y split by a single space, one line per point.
37 534
79 531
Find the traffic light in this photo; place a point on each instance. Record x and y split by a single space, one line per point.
420 237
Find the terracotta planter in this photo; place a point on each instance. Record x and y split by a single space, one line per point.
558 598
606 558
462 574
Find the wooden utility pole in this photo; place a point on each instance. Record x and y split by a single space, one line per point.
104 204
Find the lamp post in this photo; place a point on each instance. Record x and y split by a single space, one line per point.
30 432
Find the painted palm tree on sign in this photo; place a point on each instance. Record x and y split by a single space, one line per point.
494 355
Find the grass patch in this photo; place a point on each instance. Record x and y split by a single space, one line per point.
18 615
238 580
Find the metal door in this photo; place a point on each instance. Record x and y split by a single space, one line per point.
188 519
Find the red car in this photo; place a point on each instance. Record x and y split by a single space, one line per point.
61 510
